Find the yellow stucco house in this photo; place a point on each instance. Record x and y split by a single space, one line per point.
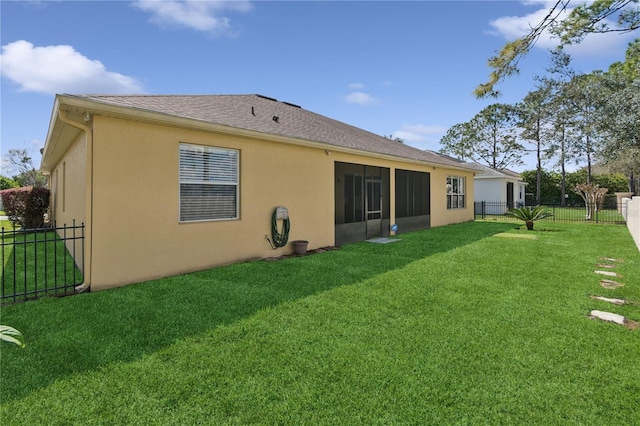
171 184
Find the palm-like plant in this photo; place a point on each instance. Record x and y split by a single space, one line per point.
11 335
529 215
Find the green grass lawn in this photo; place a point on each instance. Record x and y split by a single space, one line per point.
448 326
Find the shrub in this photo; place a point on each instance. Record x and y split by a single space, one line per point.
26 206
529 215
6 183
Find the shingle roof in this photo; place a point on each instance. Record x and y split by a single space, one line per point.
486 171
266 115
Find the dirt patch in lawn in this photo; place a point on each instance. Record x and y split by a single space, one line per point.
309 252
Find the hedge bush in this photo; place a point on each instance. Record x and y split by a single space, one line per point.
26 206
7 183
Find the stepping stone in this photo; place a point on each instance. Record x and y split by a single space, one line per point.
383 240
523 236
604 265
611 259
614 318
607 273
606 299
608 316
610 285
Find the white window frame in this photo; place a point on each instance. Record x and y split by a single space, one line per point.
217 182
456 194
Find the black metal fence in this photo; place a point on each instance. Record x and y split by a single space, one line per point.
41 262
607 213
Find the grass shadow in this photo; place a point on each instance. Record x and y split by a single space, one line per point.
90 331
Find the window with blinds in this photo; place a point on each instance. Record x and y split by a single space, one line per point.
208 183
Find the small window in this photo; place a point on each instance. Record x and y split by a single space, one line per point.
455 192
208 183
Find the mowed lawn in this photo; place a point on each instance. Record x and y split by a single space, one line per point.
452 325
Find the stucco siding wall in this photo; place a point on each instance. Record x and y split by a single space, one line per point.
633 218
136 230
440 215
67 205
136 234
68 185
492 190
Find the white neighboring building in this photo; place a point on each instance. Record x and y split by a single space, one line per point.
500 189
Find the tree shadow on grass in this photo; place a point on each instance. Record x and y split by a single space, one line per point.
90 331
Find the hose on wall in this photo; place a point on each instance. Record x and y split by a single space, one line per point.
279 237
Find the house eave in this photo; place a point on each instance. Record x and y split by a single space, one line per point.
54 144
79 106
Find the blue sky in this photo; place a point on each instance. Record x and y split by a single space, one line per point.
406 69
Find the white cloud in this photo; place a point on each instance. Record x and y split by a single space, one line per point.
356 86
417 133
513 27
60 69
205 16
360 98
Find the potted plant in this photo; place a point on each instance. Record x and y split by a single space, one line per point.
529 215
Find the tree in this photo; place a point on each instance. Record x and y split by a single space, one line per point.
563 140
583 20
489 138
578 98
7 183
583 92
549 184
592 195
457 141
534 113
19 161
626 163
615 182
620 114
